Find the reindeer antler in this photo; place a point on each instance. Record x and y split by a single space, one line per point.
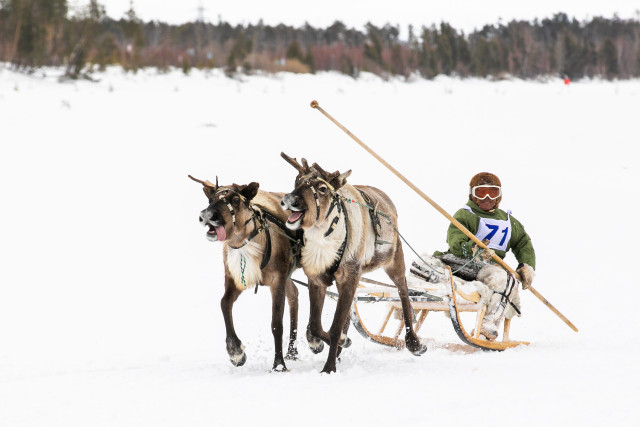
302 168
328 176
206 183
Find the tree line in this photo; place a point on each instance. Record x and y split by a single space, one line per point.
35 33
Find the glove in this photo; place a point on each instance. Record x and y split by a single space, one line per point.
486 254
526 273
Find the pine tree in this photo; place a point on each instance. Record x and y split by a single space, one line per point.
447 48
133 30
237 56
373 47
427 60
107 51
445 54
464 53
34 26
574 59
309 60
294 51
83 33
610 58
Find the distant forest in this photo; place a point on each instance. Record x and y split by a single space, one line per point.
35 33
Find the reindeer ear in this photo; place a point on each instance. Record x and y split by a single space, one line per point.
208 191
250 191
340 180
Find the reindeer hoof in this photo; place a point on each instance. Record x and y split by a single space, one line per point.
292 354
417 347
239 360
328 369
345 342
235 349
316 347
279 367
315 344
420 351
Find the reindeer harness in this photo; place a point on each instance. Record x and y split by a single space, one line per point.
336 202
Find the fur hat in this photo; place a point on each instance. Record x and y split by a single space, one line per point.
485 178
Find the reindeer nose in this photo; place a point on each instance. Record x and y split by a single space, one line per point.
208 215
290 201
204 217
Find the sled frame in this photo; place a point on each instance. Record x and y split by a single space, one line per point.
422 305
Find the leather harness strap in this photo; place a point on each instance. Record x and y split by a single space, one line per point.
334 267
373 213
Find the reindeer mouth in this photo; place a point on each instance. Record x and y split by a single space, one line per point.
216 233
295 218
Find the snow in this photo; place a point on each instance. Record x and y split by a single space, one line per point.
109 290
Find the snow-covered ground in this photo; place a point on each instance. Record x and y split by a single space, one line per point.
109 291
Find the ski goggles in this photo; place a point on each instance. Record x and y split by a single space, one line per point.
484 191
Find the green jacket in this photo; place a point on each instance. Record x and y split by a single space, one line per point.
460 245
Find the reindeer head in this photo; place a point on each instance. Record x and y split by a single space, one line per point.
229 214
315 190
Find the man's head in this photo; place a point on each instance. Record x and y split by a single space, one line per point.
485 190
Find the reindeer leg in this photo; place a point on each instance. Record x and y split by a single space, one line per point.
277 313
346 290
234 346
292 298
396 272
315 333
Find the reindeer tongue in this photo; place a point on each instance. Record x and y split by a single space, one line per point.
222 235
294 216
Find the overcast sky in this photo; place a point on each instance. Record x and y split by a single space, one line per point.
464 15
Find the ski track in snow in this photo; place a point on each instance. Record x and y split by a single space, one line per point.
109 291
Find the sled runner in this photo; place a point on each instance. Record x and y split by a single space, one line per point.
425 297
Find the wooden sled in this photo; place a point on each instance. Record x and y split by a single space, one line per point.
424 301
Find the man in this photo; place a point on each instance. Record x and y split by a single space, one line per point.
501 232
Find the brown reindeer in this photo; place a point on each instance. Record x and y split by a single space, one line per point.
258 250
341 242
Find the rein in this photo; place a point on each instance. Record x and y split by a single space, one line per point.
385 216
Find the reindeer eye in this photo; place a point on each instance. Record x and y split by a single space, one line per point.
322 189
235 200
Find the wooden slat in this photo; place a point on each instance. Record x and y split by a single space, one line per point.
421 317
438 306
507 326
479 318
384 325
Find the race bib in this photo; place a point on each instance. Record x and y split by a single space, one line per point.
497 231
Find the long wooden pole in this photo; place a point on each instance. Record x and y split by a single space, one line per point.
314 104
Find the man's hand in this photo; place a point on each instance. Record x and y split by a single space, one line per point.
486 254
526 273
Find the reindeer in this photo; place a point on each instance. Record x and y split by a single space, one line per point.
258 250
341 242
